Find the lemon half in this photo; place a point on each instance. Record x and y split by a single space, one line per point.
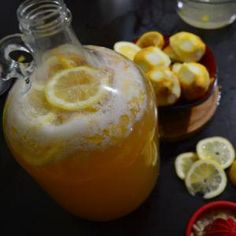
77 88
166 86
127 49
151 38
187 46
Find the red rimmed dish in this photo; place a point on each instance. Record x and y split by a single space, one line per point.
208 60
208 210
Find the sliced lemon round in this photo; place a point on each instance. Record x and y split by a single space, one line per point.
206 177
151 38
77 88
217 149
127 49
183 163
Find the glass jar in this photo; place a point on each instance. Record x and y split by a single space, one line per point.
207 14
85 129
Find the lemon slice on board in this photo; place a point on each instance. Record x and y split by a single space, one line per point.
183 163
77 88
217 149
206 177
151 38
127 49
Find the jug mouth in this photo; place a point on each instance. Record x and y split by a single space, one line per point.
43 16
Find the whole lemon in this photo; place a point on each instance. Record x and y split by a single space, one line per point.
232 173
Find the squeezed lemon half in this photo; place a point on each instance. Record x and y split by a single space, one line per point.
127 49
187 46
166 86
77 88
151 38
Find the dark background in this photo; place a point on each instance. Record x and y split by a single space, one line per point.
26 210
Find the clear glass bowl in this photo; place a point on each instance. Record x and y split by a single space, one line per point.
207 14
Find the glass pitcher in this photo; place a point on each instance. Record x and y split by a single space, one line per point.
85 125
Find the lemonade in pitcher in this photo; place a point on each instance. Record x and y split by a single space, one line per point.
85 129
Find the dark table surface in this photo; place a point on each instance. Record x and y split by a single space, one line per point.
26 210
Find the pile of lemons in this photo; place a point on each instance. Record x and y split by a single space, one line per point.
204 171
172 67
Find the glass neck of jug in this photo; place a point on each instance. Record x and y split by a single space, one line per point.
46 24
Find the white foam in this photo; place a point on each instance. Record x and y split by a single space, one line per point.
79 130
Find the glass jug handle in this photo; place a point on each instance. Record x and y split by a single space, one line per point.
16 61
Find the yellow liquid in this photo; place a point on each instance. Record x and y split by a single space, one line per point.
105 178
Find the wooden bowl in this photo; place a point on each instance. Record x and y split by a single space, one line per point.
185 118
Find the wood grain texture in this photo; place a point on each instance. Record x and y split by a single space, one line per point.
182 123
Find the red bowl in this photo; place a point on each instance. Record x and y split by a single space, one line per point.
216 205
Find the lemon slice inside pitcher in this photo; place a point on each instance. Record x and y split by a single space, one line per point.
77 88
151 38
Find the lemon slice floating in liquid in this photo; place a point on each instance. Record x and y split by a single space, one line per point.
217 149
206 177
77 88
